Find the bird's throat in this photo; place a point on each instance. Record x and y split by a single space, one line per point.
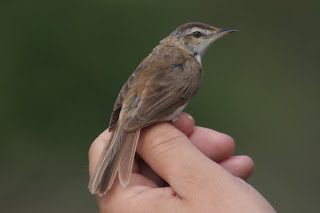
196 56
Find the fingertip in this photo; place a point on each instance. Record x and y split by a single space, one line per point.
240 166
225 142
215 145
249 165
228 142
185 123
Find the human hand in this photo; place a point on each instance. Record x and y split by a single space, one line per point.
202 175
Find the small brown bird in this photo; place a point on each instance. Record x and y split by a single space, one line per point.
157 91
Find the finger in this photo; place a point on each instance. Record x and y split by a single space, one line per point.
171 155
185 123
239 166
215 145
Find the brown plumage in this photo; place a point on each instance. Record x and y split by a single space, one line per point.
157 91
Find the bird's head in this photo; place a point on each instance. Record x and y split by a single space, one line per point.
196 37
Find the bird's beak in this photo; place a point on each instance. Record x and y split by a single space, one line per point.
223 32
220 33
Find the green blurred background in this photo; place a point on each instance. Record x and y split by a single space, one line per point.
62 64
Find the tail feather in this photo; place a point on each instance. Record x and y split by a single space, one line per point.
108 153
106 169
126 164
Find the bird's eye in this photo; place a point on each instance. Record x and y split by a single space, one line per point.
197 34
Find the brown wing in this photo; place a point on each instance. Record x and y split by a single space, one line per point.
164 81
122 94
167 89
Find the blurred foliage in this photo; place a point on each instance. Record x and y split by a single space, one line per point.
62 64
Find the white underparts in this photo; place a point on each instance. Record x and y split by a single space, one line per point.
198 57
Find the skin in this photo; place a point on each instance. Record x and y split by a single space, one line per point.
196 162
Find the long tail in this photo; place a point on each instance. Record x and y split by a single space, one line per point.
117 155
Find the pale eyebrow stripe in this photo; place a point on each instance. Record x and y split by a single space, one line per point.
197 29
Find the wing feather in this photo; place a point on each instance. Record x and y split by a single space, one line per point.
131 82
164 93
161 84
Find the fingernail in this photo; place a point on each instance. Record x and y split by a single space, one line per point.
190 117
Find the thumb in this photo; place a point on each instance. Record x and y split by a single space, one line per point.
174 158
